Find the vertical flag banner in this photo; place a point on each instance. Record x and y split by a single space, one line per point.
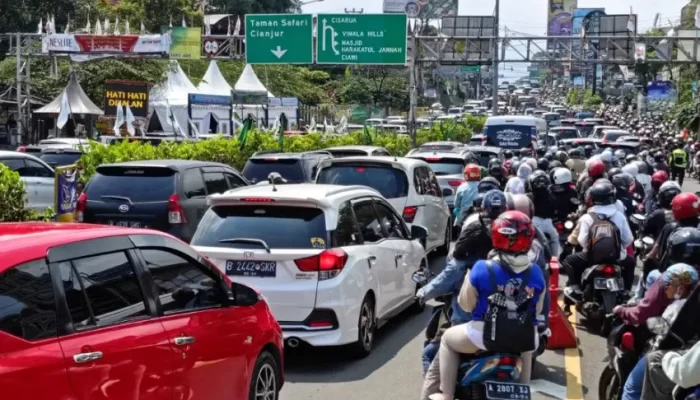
66 193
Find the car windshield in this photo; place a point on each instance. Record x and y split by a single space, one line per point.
613 136
585 130
446 166
347 153
135 183
552 117
483 157
437 147
271 224
60 159
566 133
390 182
258 169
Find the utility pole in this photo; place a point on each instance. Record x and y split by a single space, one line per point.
20 114
494 66
413 91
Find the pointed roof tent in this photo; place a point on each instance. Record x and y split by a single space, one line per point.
214 82
79 102
249 82
174 90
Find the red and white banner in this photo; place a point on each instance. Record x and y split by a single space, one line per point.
105 44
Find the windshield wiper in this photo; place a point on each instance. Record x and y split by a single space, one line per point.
247 241
109 196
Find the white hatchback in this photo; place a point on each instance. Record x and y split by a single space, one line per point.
38 178
333 262
410 185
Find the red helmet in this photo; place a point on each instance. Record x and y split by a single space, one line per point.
658 179
512 232
472 172
685 206
596 169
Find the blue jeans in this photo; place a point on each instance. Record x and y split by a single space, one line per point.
633 385
545 306
430 350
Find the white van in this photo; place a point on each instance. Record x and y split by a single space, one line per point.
513 131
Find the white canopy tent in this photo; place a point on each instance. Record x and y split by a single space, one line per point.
248 82
212 117
173 93
214 82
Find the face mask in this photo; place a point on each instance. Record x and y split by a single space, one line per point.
519 261
677 296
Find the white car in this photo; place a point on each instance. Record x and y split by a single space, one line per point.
38 178
409 185
333 262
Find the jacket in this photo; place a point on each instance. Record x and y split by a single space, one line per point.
613 213
576 166
464 200
683 370
516 184
653 304
449 282
474 242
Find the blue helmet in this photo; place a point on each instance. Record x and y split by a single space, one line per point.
487 184
494 203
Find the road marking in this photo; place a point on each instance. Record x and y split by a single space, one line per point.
548 388
572 366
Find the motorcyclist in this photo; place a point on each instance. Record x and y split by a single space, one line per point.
622 183
660 162
674 284
542 198
564 195
509 265
595 169
650 202
663 215
496 170
602 199
638 191
543 164
678 160
487 184
644 176
575 163
466 192
516 184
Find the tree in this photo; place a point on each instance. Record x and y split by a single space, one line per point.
241 7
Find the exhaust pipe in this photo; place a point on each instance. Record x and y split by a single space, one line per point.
293 343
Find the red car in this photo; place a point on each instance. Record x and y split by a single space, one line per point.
91 312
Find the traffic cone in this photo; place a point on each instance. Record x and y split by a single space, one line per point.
562 333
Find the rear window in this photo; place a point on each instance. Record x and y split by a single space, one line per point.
483 157
610 136
137 184
552 117
446 166
585 130
388 181
566 134
257 170
347 153
438 147
272 224
59 159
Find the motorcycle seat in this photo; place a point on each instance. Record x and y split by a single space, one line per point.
484 353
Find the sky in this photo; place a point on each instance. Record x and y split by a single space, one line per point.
526 16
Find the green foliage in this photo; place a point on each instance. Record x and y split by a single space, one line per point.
581 97
377 86
12 198
227 151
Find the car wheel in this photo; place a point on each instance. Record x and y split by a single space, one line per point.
366 329
265 381
445 248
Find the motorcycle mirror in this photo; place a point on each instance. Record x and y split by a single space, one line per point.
648 241
639 217
638 244
658 326
569 225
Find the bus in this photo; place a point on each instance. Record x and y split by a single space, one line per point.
513 131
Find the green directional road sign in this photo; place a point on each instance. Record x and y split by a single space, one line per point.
470 68
361 39
279 39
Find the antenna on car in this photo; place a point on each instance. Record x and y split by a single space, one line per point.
273 178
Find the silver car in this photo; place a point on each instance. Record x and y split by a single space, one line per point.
448 167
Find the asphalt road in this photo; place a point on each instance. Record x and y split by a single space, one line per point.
393 370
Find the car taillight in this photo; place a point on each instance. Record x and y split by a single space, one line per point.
507 361
80 207
609 270
627 342
257 199
455 183
328 263
409 214
176 214
21 149
559 226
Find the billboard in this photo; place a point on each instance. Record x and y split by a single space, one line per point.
184 43
131 93
423 9
661 96
559 18
577 20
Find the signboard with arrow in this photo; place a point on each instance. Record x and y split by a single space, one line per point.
279 38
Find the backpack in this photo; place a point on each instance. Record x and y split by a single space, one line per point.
604 242
507 330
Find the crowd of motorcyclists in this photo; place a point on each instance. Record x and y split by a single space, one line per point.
600 212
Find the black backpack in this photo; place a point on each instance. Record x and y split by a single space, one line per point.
509 331
604 242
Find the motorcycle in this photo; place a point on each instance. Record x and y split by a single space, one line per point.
603 289
645 243
565 230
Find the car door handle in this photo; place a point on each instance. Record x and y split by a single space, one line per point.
83 358
183 340
371 260
399 258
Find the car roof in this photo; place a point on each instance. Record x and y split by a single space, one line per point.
490 149
617 131
354 147
173 164
563 128
439 153
442 143
407 162
276 154
27 241
18 154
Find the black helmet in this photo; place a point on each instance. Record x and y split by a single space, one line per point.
602 193
667 192
659 156
525 152
539 180
508 154
684 246
630 158
478 201
543 164
555 164
613 172
488 183
622 181
549 156
470 158
588 150
514 167
575 153
495 167
562 156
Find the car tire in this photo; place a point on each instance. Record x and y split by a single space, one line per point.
445 248
366 329
265 378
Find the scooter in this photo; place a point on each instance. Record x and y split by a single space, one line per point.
603 289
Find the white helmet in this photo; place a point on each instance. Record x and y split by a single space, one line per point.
531 162
561 176
620 154
607 157
631 169
670 185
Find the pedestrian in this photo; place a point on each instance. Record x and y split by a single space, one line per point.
678 162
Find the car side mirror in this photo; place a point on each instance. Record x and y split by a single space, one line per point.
447 192
244 295
418 232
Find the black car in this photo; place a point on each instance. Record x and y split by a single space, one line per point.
293 167
59 157
167 195
484 154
